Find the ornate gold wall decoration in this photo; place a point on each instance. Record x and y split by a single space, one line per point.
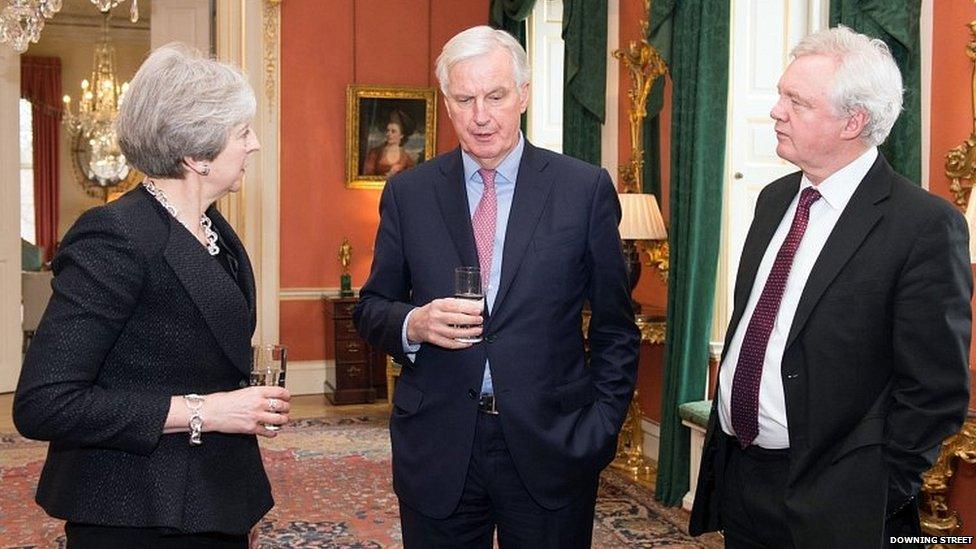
938 519
652 331
272 9
961 161
645 64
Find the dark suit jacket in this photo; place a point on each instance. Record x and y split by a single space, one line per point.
875 368
559 413
141 312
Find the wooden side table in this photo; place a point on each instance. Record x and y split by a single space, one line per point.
354 359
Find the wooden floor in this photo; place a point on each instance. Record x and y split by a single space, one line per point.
304 406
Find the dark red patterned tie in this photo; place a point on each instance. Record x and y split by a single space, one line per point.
748 371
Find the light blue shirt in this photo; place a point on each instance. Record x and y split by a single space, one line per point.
505 177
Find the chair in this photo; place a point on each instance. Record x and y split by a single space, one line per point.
36 292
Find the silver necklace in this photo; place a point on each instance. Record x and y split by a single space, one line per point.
208 230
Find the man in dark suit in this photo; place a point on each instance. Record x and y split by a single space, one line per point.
845 361
511 432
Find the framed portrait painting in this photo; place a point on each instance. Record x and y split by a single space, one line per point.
388 130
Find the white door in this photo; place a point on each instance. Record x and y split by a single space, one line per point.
762 35
11 336
545 48
186 21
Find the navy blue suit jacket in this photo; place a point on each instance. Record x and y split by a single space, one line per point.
560 411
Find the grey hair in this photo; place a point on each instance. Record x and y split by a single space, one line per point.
479 41
867 78
181 104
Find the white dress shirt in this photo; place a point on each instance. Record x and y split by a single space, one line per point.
836 192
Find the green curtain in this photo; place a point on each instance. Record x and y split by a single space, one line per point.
584 77
895 22
699 72
510 15
659 36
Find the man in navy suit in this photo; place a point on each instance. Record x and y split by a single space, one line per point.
511 432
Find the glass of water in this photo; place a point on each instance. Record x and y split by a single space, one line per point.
467 285
268 368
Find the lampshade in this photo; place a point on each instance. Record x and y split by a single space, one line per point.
641 218
971 221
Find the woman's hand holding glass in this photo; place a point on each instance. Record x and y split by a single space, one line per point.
248 410
244 411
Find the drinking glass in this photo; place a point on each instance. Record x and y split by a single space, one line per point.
268 368
467 285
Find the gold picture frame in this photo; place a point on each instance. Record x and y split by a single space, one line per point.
374 115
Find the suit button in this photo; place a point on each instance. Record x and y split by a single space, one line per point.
792 375
472 394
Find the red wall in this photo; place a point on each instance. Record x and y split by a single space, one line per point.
326 46
952 100
952 123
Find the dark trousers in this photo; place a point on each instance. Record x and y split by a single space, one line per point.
753 512
494 496
91 536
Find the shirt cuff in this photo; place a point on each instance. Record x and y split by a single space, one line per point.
409 347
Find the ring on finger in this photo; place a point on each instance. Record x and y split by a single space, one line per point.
273 404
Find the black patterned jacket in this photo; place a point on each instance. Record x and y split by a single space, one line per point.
141 312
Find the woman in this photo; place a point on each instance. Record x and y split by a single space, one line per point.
390 158
138 372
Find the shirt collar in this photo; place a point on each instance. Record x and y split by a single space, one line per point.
507 171
837 189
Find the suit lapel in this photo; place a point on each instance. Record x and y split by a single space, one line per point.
245 271
760 234
855 223
215 294
532 190
452 198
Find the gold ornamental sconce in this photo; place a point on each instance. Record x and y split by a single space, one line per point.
960 166
641 220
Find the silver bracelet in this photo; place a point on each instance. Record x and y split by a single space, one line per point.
195 403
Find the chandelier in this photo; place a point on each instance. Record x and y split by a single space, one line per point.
97 109
21 21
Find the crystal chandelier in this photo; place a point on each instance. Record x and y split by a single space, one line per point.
97 108
21 21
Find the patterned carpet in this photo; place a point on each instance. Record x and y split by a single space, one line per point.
331 479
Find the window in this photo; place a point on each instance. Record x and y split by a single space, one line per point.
26 174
